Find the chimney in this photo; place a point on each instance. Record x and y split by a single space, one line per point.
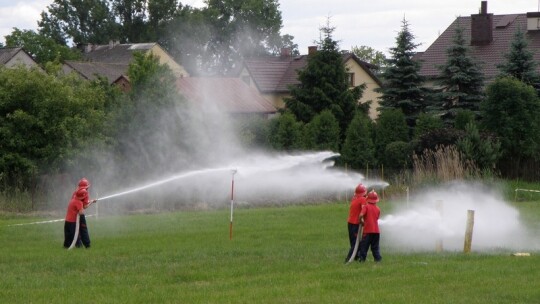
482 26
312 50
285 52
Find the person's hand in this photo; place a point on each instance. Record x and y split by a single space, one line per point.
94 201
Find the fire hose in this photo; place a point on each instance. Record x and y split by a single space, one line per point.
356 244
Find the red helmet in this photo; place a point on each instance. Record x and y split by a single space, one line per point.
84 183
81 193
372 197
360 190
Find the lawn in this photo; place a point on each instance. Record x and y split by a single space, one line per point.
288 254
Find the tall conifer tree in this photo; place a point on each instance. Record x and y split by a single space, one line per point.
403 84
461 80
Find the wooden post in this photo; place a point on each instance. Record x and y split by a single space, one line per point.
439 241
469 231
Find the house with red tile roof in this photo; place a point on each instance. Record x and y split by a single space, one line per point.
272 76
229 95
489 38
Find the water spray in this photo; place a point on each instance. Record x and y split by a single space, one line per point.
232 202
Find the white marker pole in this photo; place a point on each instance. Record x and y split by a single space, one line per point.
232 203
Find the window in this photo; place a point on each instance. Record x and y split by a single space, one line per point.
351 79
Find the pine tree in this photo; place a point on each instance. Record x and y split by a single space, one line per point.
461 80
358 149
403 83
324 85
520 63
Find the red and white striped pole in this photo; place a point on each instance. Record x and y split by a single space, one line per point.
232 203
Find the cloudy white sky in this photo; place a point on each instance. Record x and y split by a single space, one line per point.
372 23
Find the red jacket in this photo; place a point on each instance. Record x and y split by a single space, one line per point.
371 214
75 205
354 210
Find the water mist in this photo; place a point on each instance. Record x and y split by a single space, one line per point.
440 214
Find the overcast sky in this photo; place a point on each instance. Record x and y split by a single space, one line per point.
372 23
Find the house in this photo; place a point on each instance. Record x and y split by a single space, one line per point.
112 62
272 76
227 94
117 53
90 70
14 56
489 37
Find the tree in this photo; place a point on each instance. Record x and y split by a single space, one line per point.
42 49
370 55
483 151
519 61
45 123
89 21
390 126
358 149
286 132
511 111
133 16
322 133
426 123
461 80
324 85
403 83
240 29
149 117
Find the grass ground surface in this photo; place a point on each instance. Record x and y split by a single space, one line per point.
290 254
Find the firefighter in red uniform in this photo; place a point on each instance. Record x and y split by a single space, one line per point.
369 218
75 209
84 236
353 222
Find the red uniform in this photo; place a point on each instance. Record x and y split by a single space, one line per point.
356 207
371 235
75 205
371 213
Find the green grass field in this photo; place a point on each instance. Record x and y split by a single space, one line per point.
290 254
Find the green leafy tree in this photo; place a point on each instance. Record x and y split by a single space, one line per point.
148 117
511 111
46 123
322 133
390 126
370 55
133 17
324 85
286 132
403 84
89 21
484 152
426 123
42 49
358 150
397 155
461 80
519 61
240 29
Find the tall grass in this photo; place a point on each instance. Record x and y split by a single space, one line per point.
291 254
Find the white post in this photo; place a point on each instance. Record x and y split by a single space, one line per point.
232 204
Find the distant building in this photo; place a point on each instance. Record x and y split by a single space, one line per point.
227 94
489 38
14 56
272 76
